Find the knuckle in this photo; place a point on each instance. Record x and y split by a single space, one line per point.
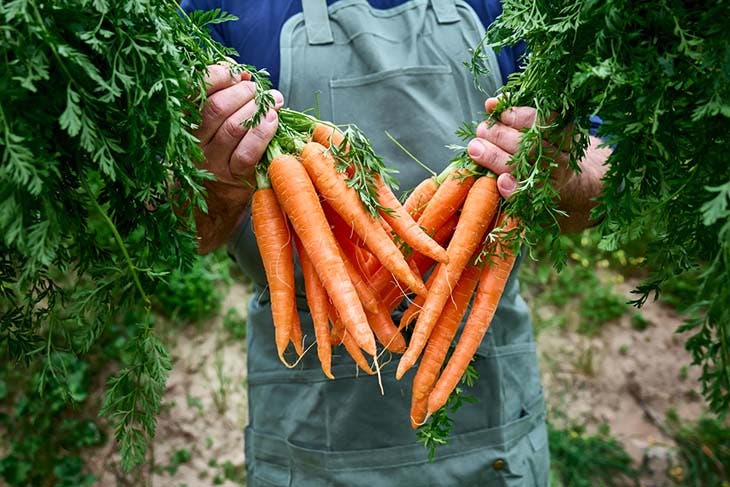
215 108
263 132
244 158
248 90
232 128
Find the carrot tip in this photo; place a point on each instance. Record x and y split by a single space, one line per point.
402 369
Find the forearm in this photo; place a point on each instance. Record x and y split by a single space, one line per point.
578 196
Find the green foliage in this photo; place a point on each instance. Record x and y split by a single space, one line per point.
582 460
178 457
704 449
44 434
579 283
97 103
638 322
193 294
235 324
437 430
658 74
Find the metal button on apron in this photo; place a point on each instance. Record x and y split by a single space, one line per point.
499 464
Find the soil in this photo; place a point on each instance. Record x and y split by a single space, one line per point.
625 378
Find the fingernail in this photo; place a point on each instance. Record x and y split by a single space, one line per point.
475 148
278 97
509 183
271 116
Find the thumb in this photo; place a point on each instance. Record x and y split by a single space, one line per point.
506 184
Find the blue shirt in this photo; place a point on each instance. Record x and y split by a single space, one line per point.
256 33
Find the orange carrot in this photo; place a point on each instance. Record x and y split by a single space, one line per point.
492 282
439 343
385 330
391 293
274 240
337 332
350 345
318 308
367 297
296 332
397 219
414 308
476 215
419 198
327 135
345 201
447 200
404 226
356 353
299 200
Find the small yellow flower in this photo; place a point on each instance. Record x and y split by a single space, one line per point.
677 473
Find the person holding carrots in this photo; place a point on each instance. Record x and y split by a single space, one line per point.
393 67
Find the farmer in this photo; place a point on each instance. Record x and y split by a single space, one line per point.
395 66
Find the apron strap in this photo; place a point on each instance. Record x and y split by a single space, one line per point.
445 11
317 22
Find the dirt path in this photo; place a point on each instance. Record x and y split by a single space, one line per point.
625 378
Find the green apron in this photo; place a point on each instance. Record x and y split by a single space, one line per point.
398 70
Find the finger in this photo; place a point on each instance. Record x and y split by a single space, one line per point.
225 140
278 99
221 105
504 137
506 184
491 104
519 117
489 155
220 76
253 145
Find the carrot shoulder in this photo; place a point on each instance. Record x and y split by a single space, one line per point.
299 200
492 282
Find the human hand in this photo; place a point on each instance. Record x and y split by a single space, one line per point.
497 142
231 151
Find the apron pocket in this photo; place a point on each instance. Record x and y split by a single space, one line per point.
424 93
499 456
267 465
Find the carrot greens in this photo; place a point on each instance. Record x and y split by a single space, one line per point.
658 75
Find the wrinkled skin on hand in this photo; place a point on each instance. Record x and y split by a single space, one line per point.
497 142
231 152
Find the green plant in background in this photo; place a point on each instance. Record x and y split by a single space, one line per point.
579 281
658 75
49 430
44 434
704 451
235 324
582 460
193 294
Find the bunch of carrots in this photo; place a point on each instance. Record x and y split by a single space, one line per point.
324 195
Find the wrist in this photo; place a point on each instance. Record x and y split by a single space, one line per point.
226 204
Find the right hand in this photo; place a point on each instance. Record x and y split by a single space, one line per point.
231 152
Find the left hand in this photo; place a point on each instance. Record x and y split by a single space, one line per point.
497 142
